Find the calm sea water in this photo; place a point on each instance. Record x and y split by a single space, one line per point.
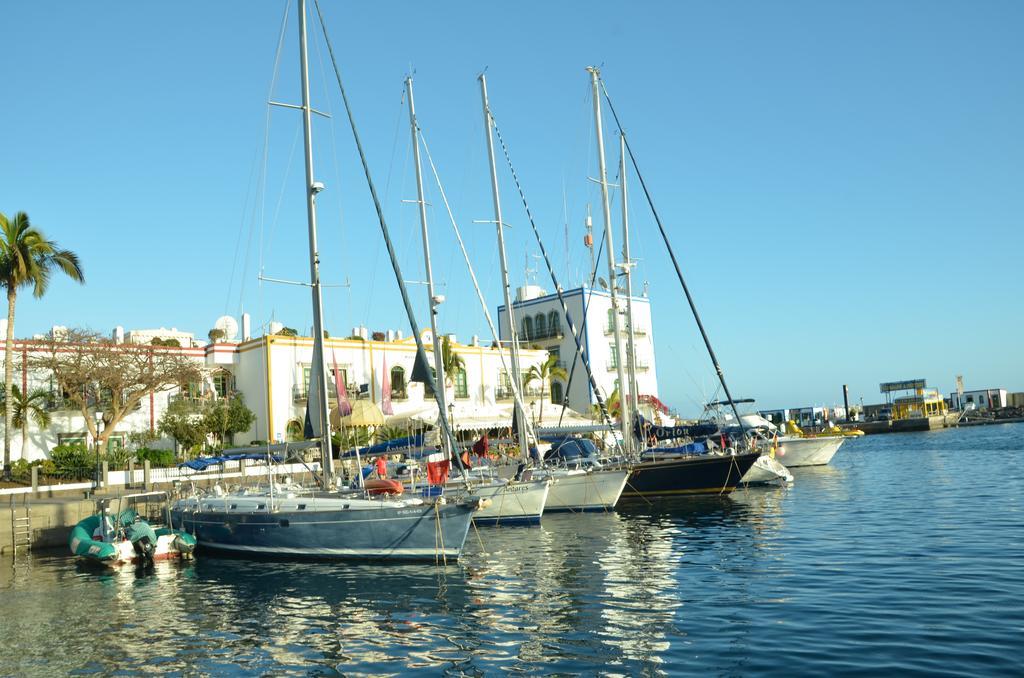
906 555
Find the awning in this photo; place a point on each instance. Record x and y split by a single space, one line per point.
203 463
364 413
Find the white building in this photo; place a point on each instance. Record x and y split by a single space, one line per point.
540 324
272 373
982 399
280 402
162 333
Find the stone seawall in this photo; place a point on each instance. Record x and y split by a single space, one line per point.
54 512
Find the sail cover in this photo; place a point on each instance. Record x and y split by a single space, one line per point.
645 430
314 424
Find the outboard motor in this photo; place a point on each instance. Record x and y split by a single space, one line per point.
145 549
143 539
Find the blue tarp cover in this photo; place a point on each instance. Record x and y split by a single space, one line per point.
203 463
387 446
572 448
692 448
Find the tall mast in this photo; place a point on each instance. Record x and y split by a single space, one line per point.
432 301
624 412
589 225
312 189
627 270
513 334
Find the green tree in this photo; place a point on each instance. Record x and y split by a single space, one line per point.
27 259
183 421
545 372
228 416
27 407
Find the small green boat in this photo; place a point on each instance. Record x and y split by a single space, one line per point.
133 528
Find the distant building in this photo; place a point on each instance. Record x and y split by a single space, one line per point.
147 336
541 324
805 417
982 399
924 403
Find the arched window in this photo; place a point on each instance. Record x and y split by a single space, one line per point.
556 392
527 327
398 383
540 325
554 323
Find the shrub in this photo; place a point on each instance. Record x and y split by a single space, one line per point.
21 470
119 458
156 457
73 461
47 468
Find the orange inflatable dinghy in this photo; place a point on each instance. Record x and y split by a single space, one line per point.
384 486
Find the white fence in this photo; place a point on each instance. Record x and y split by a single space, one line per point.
167 476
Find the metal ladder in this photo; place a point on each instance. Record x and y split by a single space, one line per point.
21 527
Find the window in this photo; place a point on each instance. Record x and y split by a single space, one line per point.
527 327
540 326
398 391
223 383
301 391
427 391
504 389
613 364
73 439
556 392
611 321
461 386
554 323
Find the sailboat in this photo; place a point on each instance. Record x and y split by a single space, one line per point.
515 501
291 522
577 487
686 471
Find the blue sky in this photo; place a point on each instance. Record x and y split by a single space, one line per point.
842 181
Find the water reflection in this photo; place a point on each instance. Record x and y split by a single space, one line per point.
908 552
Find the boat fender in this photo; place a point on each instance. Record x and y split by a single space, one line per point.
731 451
478 503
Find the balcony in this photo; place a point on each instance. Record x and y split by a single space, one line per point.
301 393
544 333
641 365
638 330
54 403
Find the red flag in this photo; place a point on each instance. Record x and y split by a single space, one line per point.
344 408
385 387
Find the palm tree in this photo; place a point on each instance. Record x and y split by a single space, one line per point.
27 258
545 372
31 406
611 403
451 361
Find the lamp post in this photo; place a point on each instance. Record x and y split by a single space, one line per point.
451 423
99 422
